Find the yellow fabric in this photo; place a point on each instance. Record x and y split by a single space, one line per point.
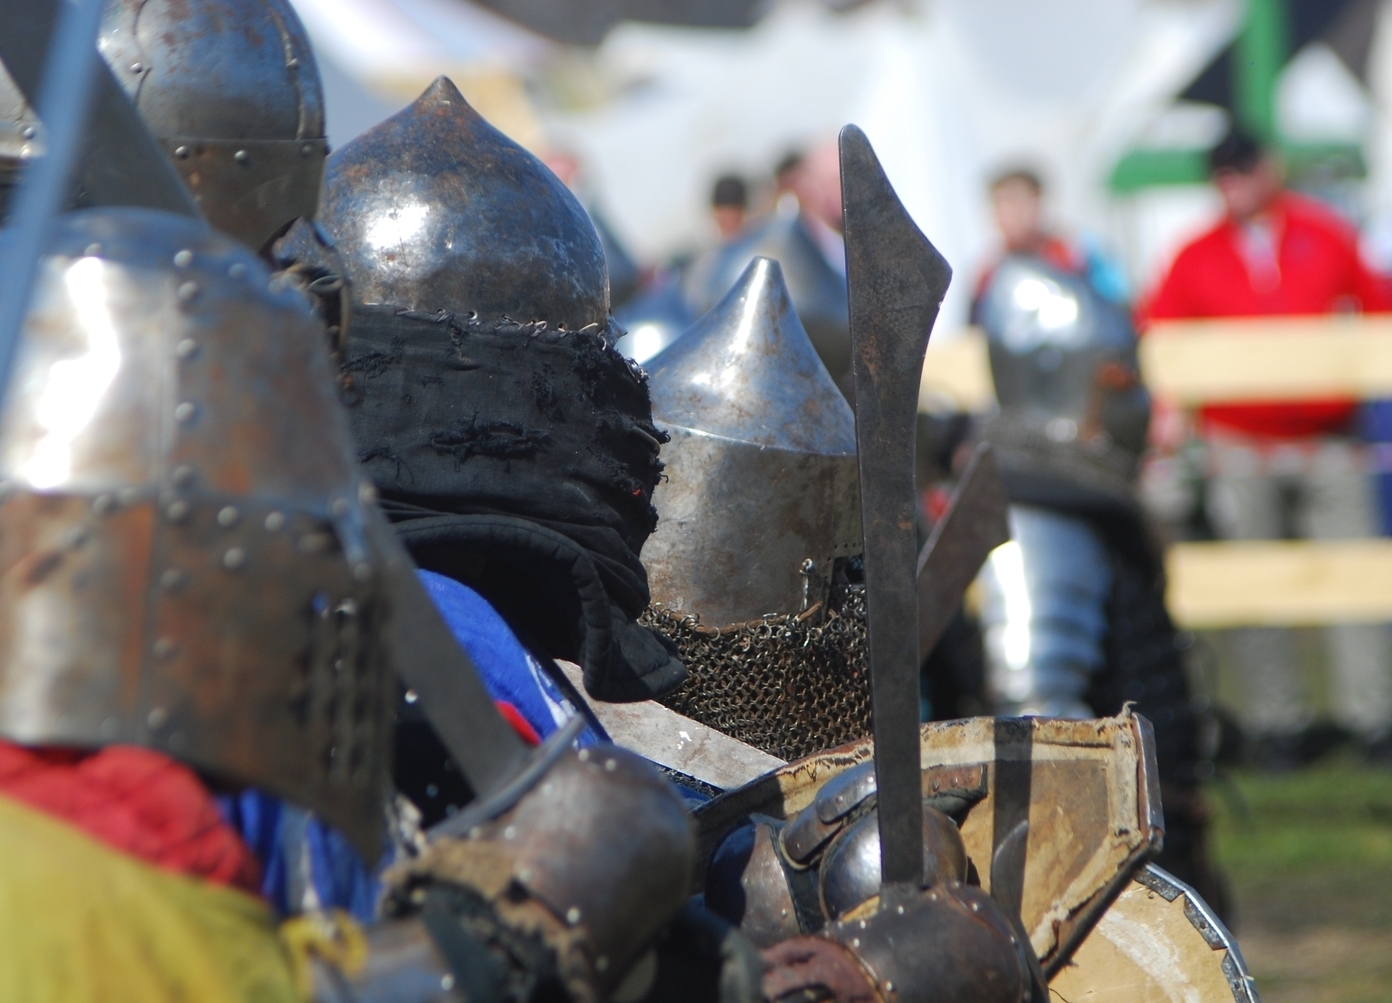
332 937
81 922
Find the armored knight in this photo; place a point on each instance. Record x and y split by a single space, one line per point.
190 605
1073 610
752 564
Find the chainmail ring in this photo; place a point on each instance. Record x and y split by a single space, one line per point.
791 684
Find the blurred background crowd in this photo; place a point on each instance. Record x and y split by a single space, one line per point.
1186 159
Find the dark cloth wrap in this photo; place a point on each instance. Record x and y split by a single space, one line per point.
521 461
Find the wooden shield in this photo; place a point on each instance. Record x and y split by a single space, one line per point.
1087 788
1157 943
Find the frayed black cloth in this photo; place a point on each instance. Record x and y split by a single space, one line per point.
520 461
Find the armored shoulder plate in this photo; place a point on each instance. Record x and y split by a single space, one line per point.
817 290
435 210
184 555
1064 364
761 493
231 90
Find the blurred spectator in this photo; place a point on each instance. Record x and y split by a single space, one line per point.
1283 469
1017 202
729 205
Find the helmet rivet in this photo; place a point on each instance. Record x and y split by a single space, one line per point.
306 150
187 291
291 63
572 915
583 755
275 522
237 271
103 504
177 511
227 517
182 152
92 250
234 558
183 259
183 475
447 982
241 156
157 717
186 348
185 412
137 67
510 832
171 579
28 132
610 765
367 493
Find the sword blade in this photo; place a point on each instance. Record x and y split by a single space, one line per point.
896 280
976 523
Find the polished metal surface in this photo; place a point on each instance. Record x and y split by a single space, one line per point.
231 90
897 280
849 873
1065 369
818 291
435 210
187 560
975 523
120 162
594 859
845 792
748 884
1043 614
949 944
760 491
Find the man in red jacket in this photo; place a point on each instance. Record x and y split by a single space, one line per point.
1283 468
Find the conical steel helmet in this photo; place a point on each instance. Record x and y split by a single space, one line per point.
761 494
817 290
435 210
231 91
19 140
186 559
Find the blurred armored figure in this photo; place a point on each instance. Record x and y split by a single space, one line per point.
751 564
191 605
1073 610
803 236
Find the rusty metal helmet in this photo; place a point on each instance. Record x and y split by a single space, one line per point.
19 138
231 91
187 555
434 210
761 494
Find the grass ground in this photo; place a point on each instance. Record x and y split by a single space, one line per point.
1309 859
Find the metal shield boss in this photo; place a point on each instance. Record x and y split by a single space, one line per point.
435 210
760 497
231 90
1065 369
185 558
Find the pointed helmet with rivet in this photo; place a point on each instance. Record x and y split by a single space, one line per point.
187 555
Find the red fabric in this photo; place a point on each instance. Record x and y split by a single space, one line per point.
519 723
135 800
1319 271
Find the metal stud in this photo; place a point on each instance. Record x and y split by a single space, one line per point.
610 765
228 516
186 349
234 558
183 475
185 412
367 493
572 915
237 271
412 696
137 67
29 132
510 832
275 522
183 259
446 982
292 62
177 511
241 156
187 292
182 152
